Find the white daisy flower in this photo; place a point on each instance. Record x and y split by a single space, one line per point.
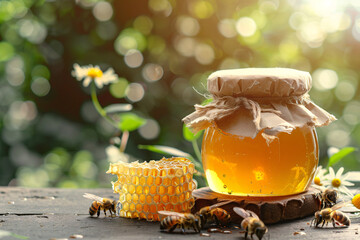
94 73
338 181
319 176
114 155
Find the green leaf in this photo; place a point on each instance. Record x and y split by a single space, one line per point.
115 108
188 135
206 101
340 155
130 122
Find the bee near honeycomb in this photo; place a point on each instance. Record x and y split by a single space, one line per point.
148 187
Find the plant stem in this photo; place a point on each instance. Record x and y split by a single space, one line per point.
124 140
196 149
98 107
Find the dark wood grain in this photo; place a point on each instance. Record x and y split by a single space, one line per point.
269 209
59 213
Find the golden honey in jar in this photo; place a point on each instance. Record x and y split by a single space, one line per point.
260 137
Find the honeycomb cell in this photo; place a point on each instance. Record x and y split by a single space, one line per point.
166 181
186 186
150 181
146 208
146 172
175 181
132 171
160 207
171 190
132 207
185 169
124 188
182 179
135 215
157 198
149 199
142 215
135 180
178 208
149 217
162 190
128 197
171 172
128 179
165 199
174 199
158 181
153 208
178 173
142 198
187 195
142 181
125 206
138 207
146 190
138 189
128 214
153 189
188 177
131 189
163 173
178 190
182 197
135 198
154 172
169 207
139 171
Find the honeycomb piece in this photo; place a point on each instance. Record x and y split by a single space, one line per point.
148 187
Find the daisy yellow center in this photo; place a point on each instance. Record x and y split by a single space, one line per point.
317 181
94 73
356 201
336 182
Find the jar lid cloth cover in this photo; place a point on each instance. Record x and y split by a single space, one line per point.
252 100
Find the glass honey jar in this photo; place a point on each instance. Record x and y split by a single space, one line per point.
260 137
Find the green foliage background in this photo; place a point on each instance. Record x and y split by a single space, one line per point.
49 128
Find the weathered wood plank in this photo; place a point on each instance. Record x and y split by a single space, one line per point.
59 213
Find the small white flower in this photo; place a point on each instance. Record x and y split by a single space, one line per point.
319 176
93 73
114 155
338 181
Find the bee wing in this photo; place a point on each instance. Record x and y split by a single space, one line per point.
340 205
169 213
220 204
241 212
93 197
253 214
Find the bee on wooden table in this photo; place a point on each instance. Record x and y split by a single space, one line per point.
332 215
215 214
251 223
100 203
180 220
328 198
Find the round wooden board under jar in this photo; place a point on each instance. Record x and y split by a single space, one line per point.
269 209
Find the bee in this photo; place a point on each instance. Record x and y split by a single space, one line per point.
100 203
179 220
332 215
328 198
214 214
251 223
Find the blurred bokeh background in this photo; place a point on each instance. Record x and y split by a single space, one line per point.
163 51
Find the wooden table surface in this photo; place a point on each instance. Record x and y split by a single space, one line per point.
60 213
